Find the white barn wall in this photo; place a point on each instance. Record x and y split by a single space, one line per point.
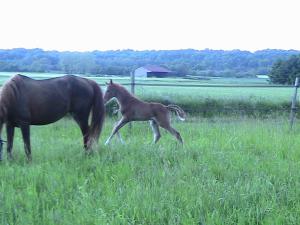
140 72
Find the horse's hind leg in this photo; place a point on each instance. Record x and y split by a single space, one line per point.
82 121
155 130
25 129
175 133
84 127
10 131
165 123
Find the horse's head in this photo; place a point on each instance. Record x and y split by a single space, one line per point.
110 91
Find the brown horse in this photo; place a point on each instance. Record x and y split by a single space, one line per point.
25 102
133 109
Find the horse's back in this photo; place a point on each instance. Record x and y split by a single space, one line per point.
56 89
45 101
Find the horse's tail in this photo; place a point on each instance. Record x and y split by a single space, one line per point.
179 111
98 115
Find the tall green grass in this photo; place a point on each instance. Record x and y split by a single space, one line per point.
229 171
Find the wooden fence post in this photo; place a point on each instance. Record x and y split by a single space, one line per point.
132 78
294 103
132 85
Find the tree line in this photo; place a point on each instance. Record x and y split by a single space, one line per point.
206 62
285 71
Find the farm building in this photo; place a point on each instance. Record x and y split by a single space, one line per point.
262 76
151 71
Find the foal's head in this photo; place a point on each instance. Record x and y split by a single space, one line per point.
117 91
111 91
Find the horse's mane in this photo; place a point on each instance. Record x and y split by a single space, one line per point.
9 93
123 90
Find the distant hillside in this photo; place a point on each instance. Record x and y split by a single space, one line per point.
193 62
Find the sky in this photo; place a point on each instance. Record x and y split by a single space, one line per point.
87 25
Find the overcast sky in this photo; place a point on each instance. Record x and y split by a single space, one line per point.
81 25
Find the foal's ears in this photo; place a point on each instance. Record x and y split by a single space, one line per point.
110 82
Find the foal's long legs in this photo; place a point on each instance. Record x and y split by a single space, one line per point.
118 126
164 122
117 111
25 129
175 133
10 131
120 137
155 130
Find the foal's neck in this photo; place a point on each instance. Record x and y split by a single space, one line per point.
124 97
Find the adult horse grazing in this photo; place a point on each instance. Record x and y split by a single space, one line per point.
133 109
25 101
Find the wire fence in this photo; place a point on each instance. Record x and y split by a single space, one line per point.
209 107
207 85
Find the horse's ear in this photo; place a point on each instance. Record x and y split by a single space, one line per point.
111 82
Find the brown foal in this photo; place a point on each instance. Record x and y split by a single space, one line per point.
133 109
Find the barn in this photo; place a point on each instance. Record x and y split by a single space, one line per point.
151 71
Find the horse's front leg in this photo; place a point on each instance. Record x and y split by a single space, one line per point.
120 138
116 111
118 126
10 131
25 129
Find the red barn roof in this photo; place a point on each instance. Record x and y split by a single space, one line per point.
157 69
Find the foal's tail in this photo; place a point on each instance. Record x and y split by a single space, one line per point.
179 111
98 115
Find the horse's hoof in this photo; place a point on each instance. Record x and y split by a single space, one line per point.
88 152
29 160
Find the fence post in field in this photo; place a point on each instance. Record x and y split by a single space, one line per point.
294 103
132 79
132 85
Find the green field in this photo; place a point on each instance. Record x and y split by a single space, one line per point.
230 171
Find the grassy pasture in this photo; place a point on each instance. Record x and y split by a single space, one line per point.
101 80
230 171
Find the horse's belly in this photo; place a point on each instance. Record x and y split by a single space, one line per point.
44 121
46 118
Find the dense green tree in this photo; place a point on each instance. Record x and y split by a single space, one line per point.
285 71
